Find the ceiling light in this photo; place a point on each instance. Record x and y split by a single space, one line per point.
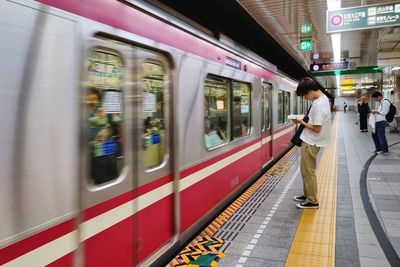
334 4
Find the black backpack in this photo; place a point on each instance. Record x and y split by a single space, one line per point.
391 113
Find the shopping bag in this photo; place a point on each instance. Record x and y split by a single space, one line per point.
371 122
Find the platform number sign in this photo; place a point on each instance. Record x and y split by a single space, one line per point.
305 45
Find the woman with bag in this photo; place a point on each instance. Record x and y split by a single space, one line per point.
316 134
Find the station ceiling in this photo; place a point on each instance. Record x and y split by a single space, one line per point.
271 29
228 18
362 48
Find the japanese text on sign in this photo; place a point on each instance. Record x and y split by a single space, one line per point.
364 17
330 66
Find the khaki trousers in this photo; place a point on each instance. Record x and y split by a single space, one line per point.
308 164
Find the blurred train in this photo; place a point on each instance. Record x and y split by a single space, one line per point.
124 129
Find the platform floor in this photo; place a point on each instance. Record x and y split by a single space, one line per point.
266 228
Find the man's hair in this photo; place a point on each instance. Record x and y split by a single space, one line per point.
376 94
306 85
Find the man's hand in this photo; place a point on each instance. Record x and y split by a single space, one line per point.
297 121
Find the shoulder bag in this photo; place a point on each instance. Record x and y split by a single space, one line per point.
296 138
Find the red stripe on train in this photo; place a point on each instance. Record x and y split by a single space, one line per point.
211 161
124 198
199 199
26 245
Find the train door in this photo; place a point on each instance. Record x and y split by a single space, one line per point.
109 173
127 194
155 178
266 119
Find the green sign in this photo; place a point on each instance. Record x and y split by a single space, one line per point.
358 70
305 45
305 28
363 17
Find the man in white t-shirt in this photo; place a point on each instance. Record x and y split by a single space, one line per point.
316 134
379 136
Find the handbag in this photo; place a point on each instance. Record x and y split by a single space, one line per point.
296 137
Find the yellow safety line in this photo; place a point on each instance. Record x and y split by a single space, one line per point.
314 241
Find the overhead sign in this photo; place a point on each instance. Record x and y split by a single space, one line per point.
357 70
305 45
323 56
363 17
305 28
343 65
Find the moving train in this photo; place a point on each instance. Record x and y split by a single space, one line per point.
124 129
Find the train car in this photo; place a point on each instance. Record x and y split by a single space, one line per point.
124 129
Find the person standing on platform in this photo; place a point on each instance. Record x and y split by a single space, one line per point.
363 110
379 136
345 107
316 134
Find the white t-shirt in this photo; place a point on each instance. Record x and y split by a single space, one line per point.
320 114
384 108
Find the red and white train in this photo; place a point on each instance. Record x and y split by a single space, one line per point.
123 130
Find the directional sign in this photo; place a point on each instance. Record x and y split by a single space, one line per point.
321 56
305 45
305 28
343 65
363 17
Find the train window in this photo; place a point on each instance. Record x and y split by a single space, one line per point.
283 106
286 106
295 104
265 119
153 114
240 109
280 107
301 105
105 115
216 116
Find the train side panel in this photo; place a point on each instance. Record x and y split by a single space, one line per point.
40 136
40 174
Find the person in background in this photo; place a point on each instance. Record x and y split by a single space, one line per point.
363 110
316 134
379 136
345 107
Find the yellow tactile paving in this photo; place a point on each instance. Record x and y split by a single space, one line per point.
314 241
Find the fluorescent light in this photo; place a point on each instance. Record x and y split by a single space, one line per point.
334 4
336 39
336 45
337 81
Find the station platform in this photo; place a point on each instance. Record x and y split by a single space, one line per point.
357 223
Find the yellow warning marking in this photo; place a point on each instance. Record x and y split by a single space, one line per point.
199 247
314 241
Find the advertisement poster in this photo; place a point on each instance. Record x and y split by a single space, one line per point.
149 102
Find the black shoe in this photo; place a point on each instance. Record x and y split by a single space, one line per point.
300 198
307 205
